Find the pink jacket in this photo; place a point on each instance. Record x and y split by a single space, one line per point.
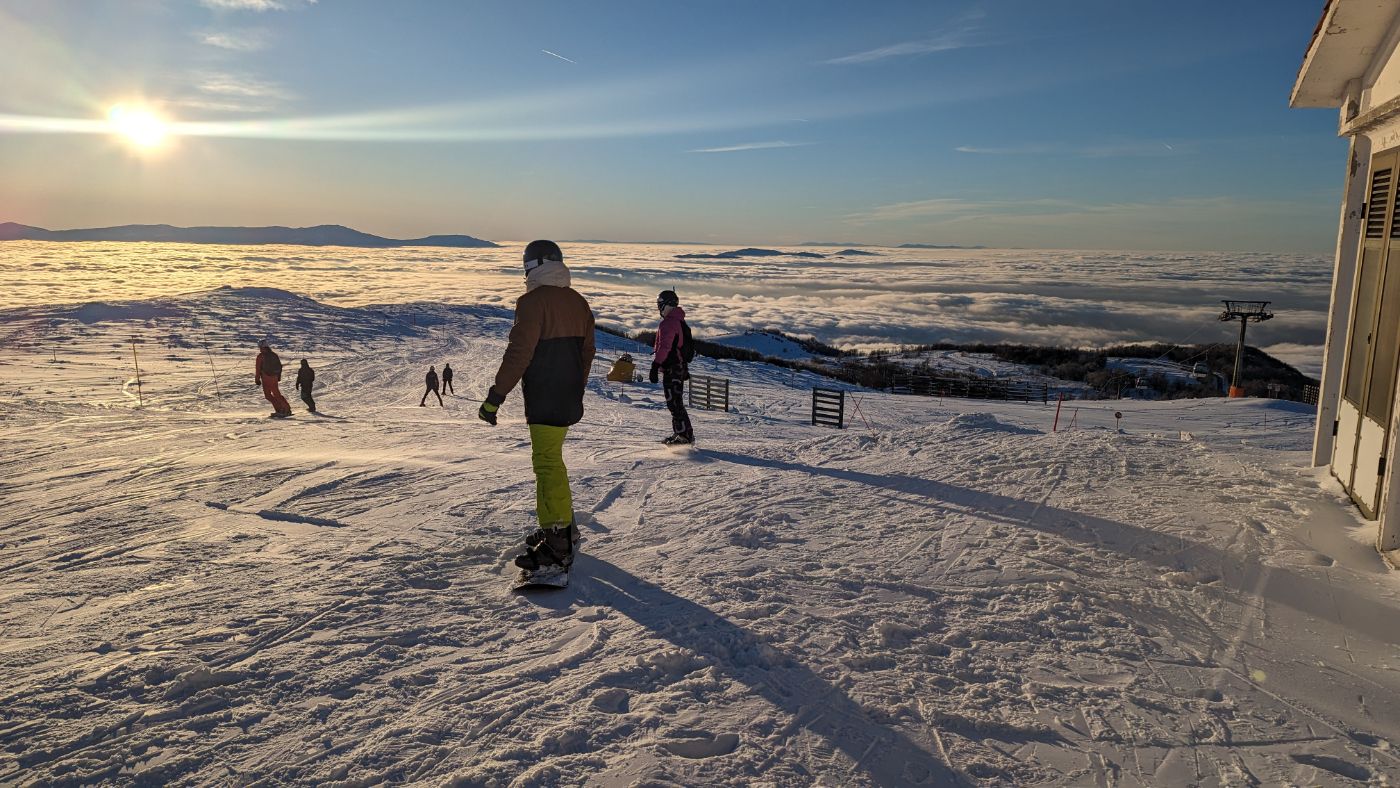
668 334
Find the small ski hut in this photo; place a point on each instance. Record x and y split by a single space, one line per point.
1353 64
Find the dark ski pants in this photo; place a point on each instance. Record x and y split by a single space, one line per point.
447 386
431 390
306 397
674 386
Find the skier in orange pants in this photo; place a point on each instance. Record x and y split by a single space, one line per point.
267 372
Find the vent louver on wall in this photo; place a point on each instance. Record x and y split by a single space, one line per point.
1378 204
1394 218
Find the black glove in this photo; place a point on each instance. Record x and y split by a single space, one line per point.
655 371
487 412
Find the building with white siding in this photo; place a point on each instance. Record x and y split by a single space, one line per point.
1352 65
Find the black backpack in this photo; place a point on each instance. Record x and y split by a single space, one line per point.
687 344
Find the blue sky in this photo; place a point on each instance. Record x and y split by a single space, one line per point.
1085 124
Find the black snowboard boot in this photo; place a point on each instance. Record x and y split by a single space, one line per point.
679 440
547 546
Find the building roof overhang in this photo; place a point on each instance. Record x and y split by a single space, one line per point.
1342 48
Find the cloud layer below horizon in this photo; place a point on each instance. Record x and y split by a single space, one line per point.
900 296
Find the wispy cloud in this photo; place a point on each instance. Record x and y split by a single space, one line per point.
1094 151
940 208
752 146
947 42
238 93
253 5
561 57
241 86
962 32
236 40
244 5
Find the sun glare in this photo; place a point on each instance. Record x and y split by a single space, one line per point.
139 126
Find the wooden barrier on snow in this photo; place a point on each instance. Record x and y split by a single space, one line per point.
829 407
970 388
709 393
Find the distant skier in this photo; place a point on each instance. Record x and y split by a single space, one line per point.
447 379
673 352
306 378
432 381
551 350
267 371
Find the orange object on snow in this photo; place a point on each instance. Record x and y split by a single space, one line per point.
623 370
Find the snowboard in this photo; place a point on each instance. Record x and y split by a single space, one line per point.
280 416
544 578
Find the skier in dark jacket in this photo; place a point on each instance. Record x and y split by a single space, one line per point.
551 351
432 382
447 379
267 371
669 361
306 378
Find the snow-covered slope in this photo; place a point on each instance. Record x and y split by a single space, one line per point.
765 343
987 366
942 594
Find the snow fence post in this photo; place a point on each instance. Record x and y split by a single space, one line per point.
139 401
1060 404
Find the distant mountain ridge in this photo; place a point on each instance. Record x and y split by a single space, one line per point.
320 235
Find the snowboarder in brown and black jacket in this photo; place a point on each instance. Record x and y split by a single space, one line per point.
550 352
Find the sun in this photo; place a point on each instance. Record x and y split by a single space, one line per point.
138 125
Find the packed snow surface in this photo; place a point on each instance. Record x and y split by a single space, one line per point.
947 593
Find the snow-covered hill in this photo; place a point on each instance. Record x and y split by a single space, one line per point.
986 366
765 343
942 594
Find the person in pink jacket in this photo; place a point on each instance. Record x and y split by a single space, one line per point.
674 348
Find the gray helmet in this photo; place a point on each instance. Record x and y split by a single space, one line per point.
537 253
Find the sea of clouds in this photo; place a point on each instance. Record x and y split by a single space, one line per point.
899 296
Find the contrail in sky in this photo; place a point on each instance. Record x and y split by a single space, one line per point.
561 57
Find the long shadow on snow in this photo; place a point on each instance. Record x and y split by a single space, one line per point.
1315 598
886 755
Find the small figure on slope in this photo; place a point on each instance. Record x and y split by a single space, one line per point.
432 382
447 379
549 352
673 352
306 378
267 371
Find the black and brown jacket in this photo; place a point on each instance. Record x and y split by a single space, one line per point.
550 352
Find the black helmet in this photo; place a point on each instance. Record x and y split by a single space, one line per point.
667 298
538 252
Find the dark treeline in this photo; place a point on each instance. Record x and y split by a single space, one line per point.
1264 375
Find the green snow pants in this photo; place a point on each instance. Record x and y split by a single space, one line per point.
554 503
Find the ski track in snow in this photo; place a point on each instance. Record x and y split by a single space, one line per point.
192 593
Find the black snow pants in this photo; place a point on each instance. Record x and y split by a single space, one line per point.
674 386
306 397
431 390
